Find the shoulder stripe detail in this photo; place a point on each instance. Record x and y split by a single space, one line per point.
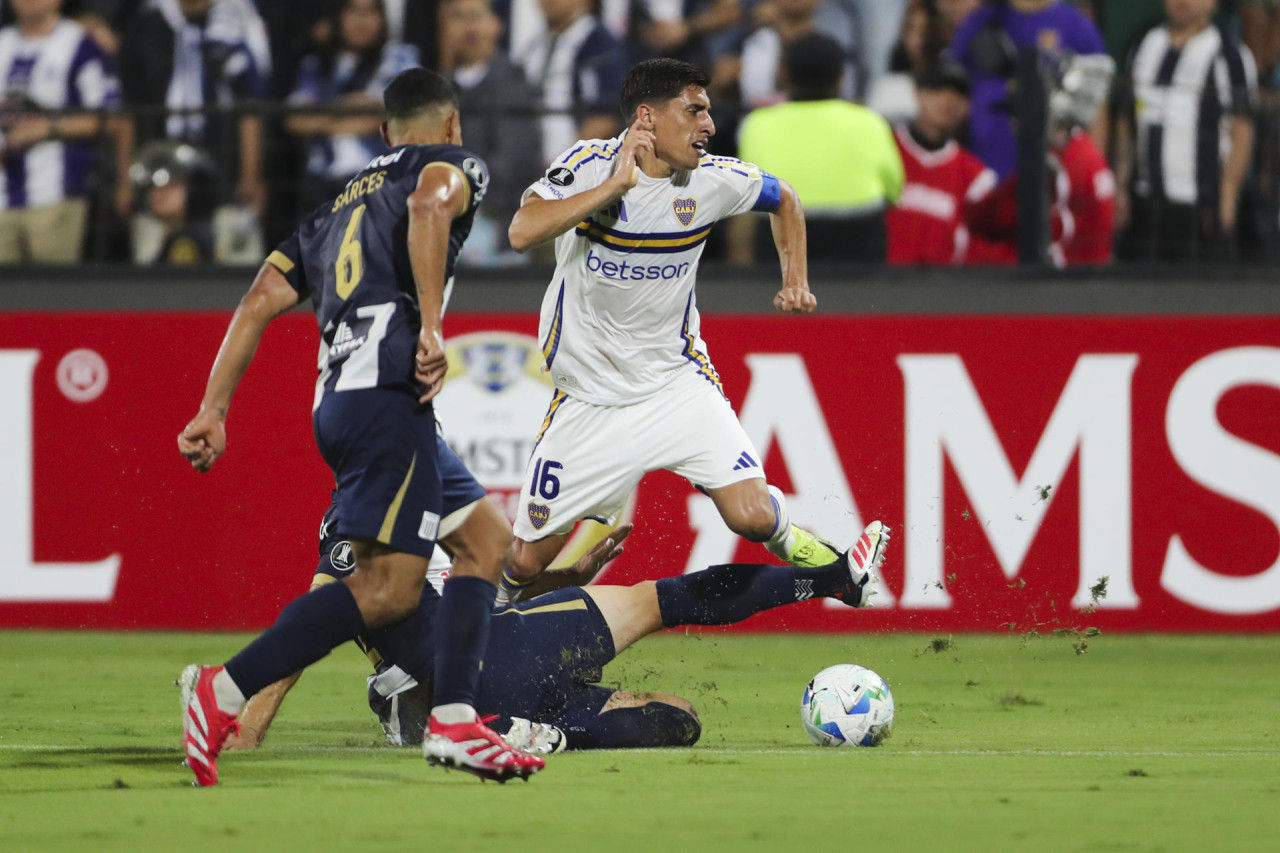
280 261
729 164
657 243
585 155
725 168
466 182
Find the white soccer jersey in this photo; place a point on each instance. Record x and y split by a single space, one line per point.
619 318
64 70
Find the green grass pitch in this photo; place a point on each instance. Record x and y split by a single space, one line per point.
1001 743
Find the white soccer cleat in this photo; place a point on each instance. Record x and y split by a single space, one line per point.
477 749
534 738
861 559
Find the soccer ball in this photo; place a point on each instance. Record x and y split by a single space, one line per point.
847 705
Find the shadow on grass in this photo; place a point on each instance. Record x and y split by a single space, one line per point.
134 756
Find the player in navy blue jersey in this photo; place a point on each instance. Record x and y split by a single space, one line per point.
376 262
544 664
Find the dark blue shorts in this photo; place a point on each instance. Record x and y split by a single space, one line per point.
545 658
381 446
458 490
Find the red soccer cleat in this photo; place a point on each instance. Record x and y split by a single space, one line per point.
205 726
477 749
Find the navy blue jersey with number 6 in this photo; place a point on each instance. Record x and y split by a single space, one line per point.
351 257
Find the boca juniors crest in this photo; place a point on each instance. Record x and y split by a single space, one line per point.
685 208
539 515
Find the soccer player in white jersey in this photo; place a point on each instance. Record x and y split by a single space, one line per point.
635 390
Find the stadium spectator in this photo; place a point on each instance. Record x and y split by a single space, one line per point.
1082 185
577 65
699 31
177 182
840 157
104 20
1123 23
53 76
336 103
185 65
893 95
987 44
951 13
631 22
926 226
1186 138
300 27
876 29
496 105
762 78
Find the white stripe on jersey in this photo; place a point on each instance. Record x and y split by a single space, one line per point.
41 70
619 317
1175 108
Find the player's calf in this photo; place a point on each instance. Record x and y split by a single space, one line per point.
723 595
637 721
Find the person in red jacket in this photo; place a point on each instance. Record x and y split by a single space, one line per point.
926 226
1083 189
1084 215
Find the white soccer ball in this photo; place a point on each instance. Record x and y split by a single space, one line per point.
847 705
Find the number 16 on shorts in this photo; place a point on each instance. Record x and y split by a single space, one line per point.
546 485
545 482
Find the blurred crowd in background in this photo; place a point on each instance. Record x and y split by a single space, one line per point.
197 131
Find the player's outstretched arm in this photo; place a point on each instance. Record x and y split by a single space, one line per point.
541 220
789 237
584 571
442 195
204 439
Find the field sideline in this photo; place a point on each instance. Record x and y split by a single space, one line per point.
1002 742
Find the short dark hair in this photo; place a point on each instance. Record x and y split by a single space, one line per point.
945 73
656 81
415 90
814 63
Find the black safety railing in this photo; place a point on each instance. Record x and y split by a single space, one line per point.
288 181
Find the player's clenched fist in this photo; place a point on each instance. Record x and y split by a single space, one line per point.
203 440
795 300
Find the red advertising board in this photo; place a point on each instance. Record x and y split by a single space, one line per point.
1020 461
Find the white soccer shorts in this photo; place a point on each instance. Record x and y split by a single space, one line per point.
590 458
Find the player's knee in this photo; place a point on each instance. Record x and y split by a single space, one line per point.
753 520
485 556
391 598
676 722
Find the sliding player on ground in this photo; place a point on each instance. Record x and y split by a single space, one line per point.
547 653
